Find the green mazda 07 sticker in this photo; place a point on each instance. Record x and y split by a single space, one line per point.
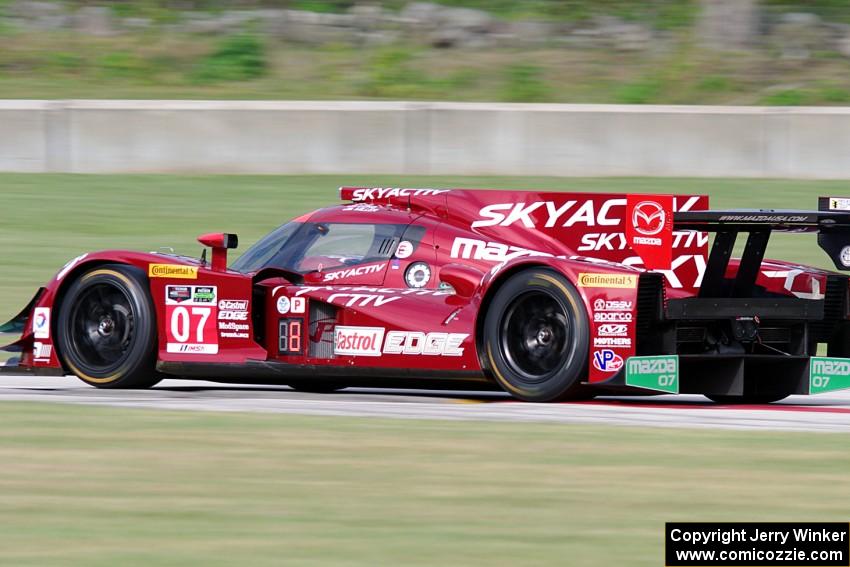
654 373
827 374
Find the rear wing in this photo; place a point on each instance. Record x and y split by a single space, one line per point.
831 222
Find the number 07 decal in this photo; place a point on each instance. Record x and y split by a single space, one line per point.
190 322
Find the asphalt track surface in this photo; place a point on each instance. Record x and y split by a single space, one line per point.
826 412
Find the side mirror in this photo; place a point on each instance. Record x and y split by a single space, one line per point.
464 279
220 242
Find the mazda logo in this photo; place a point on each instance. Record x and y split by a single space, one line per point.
648 218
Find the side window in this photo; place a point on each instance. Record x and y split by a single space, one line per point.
339 245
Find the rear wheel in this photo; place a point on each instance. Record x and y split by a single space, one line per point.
536 337
106 330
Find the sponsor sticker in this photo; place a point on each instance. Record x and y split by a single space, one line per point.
178 293
624 281
232 315
233 304
613 330
606 360
174 271
429 344
659 373
613 342
358 341
616 305
362 208
298 305
41 351
353 272
839 204
615 317
827 374
367 193
283 305
41 323
404 249
203 294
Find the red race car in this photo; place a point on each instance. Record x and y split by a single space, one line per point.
546 295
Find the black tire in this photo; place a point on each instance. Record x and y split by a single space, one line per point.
316 386
106 329
536 337
747 399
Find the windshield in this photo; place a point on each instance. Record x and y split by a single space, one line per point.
259 255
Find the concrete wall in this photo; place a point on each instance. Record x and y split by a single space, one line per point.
423 138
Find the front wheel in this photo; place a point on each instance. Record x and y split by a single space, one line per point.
106 330
536 337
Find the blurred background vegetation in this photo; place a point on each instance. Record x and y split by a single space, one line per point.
773 52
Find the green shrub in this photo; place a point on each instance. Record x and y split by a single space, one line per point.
524 83
237 58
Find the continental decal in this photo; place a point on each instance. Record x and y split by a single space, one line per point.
174 271
607 280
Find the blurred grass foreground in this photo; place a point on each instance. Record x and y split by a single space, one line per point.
88 486
771 52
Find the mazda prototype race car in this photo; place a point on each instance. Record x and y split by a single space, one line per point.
548 296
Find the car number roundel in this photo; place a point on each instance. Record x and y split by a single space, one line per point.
190 320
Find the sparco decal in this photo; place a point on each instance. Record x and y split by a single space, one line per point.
615 317
386 192
352 272
549 214
358 341
433 344
470 248
607 280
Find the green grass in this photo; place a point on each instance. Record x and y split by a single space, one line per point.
104 487
46 220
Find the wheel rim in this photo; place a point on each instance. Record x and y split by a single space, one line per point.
102 326
535 335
